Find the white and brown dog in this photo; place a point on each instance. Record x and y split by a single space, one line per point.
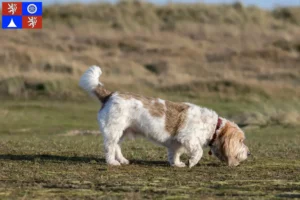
181 127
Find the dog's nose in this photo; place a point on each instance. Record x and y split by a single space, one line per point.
248 154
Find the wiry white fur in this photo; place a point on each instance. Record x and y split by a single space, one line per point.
90 79
120 117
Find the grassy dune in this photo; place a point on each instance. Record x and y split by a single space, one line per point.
220 50
243 62
183 52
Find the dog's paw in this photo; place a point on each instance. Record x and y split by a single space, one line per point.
124 161
113 163
180 164
192 163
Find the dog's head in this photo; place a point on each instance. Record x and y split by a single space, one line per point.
229 144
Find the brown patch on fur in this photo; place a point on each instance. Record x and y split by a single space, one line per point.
102 93
156 109
228 138
175 116
175 112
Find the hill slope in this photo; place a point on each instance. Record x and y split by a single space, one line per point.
197 50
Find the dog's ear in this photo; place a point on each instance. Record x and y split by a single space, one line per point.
229 140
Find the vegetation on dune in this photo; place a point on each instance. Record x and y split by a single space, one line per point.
124 13
193 52
175 45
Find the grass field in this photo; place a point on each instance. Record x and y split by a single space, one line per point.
43 157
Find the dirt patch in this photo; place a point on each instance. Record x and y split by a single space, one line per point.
81 133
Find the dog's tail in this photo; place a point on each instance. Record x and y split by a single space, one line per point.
89 81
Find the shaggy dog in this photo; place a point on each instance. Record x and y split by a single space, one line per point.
180 127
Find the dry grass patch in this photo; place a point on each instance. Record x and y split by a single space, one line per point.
149 45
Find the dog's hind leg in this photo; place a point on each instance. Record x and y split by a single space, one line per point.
113 154
112 126
120 157
110 152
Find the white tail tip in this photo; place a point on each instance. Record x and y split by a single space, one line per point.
90 79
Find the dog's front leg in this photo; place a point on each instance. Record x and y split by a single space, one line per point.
196 155
175 149
195 150
174 157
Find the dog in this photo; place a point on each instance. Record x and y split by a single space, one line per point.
180 127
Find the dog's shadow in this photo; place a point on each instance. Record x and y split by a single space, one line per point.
82 159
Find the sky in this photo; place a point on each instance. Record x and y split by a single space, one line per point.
266 4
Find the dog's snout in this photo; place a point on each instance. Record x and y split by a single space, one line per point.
248 154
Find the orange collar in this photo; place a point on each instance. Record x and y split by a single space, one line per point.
215 133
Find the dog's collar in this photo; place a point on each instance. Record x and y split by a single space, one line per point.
215 133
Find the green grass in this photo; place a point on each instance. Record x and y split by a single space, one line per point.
38 161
